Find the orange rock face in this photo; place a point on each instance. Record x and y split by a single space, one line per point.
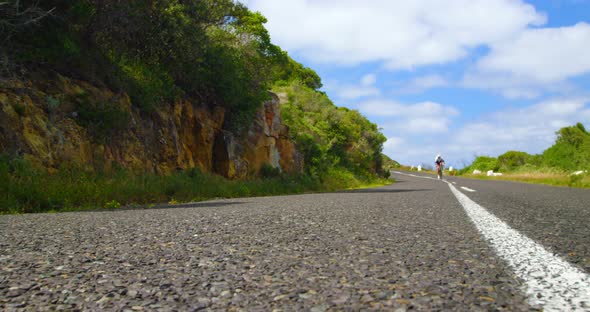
41 121
267 142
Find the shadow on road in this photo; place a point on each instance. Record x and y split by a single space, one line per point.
167 206
370 191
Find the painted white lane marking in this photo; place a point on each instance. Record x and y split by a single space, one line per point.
415 176
468 189
454 183
550 281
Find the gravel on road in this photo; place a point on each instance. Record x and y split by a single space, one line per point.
408 246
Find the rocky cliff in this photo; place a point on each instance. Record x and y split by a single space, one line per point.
55 121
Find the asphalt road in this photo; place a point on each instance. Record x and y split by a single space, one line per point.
408 246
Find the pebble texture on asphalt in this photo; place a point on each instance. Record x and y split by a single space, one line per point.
400 247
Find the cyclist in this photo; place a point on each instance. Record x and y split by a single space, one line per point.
440 164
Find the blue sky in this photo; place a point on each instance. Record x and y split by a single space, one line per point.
459 77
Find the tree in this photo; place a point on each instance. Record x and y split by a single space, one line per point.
331 136
15 17
571 150
574 135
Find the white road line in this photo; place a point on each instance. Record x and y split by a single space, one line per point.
468 189
454 183
415 176
550 281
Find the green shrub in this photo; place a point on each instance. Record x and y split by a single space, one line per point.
330 136
535 161
485 163
113 204
103 120
268 171
571 151
512 160
339 178
52 104
18 108
148 85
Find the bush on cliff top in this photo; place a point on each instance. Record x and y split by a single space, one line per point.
330 136
216 51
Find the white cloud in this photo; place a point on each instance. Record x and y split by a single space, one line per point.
355 92
393 143
424 117
401 34
420 84
530 129
524 61
382 107
544 55
369 80
365 88
534 61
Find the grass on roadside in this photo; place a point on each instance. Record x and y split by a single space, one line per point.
546 176
532 175
26 189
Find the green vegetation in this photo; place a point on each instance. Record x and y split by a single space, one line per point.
19 108
103 120
570 153
541 176
215 52
26 189
389 163
512 160
331 137
483 163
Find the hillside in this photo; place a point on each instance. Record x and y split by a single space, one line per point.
330 136
162 87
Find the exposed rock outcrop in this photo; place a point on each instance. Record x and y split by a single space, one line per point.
41 120
267 142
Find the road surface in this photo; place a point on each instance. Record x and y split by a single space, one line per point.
417 244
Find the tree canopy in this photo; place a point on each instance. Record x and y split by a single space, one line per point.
330 135
571 150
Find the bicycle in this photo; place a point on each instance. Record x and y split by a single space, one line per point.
439 170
